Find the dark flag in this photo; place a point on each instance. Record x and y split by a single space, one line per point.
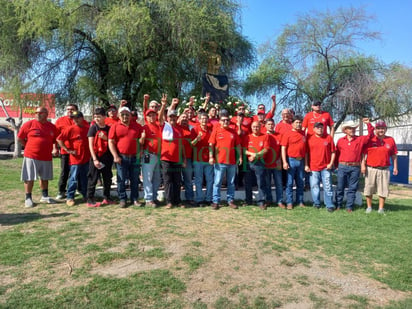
217 86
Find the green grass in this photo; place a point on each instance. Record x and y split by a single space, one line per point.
49 254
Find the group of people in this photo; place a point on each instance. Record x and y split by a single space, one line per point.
205 147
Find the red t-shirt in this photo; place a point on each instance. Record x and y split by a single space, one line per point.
283 127
225 142
245 125
379 151
172 149
40 138
311 118
125 137
110 121
257 143
267 116
201 149
186 141
152 142
78 141
320 151
273 155
295 143
351 151
61 123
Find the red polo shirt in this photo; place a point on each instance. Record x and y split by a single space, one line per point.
256 143
152 141
320 150
273 155
78 141
201 149
350 151
295 143
125 137
311 118
61 123
225 142
186 141
267 116
110 121
245 125
40 138
379 151
283 127
171 149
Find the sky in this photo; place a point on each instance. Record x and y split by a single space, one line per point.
264 20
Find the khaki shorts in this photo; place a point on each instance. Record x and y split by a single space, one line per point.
377 181
35 169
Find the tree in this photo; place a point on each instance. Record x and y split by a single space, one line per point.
99 51
317 59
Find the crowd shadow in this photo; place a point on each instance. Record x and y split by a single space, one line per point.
18 218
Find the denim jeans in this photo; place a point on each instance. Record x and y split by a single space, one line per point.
220 169
277 176
295 173
151 176
316 177
77 171
203 169
128 169
259 170
187 174
347 175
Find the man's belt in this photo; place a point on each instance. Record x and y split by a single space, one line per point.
350 163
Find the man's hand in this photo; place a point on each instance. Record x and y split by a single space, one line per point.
164 99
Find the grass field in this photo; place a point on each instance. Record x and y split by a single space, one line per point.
55 256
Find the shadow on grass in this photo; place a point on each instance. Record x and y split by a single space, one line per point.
17 218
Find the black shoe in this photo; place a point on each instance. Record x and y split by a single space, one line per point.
331 209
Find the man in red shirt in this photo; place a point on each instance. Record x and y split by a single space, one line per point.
202 168
273 165
111 116
38 137
61 123
348 154
256 145
225 144
75 142
317 115
151 141
261 108
123 144
286 123
375 165
293 144
319 164
173 155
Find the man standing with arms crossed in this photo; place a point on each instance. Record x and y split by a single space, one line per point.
38 137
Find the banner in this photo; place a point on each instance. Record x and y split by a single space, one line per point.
217 86
30 101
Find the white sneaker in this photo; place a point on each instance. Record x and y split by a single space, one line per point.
60 196
47 200
28 203
368 210
381 211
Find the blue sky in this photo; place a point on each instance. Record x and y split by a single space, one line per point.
263 20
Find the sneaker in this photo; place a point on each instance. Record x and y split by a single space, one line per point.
289 207
349 210
122 204
281 205
183 205
169 206
215 206
138 204
107 202
368 210
93 204
60 196
70 202
28 203
263 207
151 204
331 209
47 200
233 205
317 206
302 205
381 211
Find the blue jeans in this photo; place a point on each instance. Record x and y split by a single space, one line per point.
128 169
295 173
277 176
220 169
203 168
187 173
259 170
151 176
316 177
77 171
347 175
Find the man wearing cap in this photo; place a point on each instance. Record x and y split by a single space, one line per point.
153 105
375 165
38 137
319 164
74 141
317 115
293 149
261 108
151 143
111 116
172 154
123 145
348 154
